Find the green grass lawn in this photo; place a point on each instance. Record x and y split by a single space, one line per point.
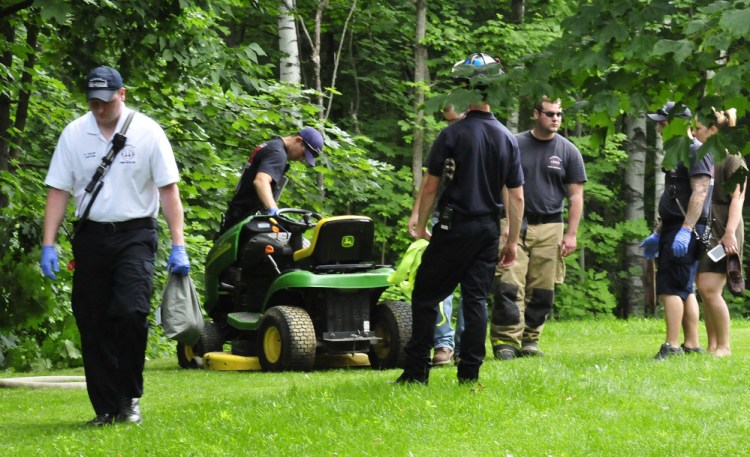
596 393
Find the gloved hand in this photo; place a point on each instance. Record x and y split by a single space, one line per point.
650 246
681 242
272 211
178 262
49 261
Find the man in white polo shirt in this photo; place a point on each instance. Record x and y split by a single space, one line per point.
116 240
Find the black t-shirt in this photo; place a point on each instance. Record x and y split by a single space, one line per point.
487 158
269 158
677 182
549 166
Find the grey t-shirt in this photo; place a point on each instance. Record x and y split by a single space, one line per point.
549 166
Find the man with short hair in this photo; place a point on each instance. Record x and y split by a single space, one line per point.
524 292
116 239
263 172
464 245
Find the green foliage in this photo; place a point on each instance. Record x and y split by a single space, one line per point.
739 307
651 52
584 293
590 288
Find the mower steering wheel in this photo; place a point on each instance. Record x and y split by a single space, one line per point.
294 224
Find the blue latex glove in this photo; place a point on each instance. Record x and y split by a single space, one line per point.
681 242
272 211
49 261
178 262
651 246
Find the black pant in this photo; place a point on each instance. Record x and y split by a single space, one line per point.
112 287
467 255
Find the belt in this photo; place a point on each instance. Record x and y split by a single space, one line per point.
533 219
116 227
458 217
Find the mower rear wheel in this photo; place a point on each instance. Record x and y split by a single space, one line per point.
286 340
211 340
391 321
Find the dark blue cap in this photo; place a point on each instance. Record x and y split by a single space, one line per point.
102 83
313 144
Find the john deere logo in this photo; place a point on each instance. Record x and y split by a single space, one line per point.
347 241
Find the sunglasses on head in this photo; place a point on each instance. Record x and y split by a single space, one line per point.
552 114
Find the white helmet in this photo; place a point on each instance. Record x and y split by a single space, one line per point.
476 70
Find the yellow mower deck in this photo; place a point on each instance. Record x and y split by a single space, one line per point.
224 361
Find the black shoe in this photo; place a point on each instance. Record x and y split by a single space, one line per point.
667 350
409 379
506 352
531 349
101 420
690 351
130 411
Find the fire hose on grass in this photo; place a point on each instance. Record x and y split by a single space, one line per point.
40 382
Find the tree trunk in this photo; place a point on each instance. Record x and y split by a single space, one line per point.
337 56
289 67
634 190
421 79
315 46
354 100
22 109
658 173
518 11
316 52
512 122
8 32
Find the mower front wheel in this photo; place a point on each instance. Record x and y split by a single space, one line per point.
211 340
286 340
391 322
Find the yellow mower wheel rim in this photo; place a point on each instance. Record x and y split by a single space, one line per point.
272 344
188 352
383 347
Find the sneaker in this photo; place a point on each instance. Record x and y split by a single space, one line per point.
667 350
442 356
130 411
101 420
406 379
531 349
687 350
506 352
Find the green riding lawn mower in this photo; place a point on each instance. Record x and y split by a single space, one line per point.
281 303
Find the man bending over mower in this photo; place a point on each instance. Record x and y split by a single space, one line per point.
264 169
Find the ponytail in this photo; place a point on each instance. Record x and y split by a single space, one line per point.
726 118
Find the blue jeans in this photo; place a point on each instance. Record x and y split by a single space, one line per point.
445 337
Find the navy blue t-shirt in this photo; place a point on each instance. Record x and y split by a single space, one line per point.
487 158
270 158
677 182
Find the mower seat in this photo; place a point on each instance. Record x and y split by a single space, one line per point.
339 240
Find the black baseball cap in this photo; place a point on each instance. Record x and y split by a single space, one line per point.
102 83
